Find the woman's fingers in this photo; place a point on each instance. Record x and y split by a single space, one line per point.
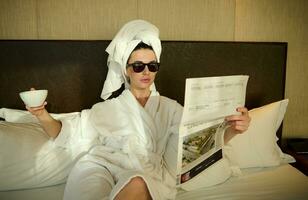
243 110
239 123
38 107
37 111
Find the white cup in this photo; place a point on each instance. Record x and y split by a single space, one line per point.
33 98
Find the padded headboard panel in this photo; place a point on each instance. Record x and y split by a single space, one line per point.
74 71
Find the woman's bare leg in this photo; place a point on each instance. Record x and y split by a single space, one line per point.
135 189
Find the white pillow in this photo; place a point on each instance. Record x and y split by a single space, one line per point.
28 159
23 116
257 147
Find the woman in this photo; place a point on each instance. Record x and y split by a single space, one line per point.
128 134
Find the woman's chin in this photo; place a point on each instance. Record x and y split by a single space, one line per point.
145 84
142 87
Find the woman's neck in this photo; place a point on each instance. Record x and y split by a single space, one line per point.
142 96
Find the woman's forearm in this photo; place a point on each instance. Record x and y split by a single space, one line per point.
228 135
51 126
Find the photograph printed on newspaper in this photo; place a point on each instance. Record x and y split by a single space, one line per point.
207 102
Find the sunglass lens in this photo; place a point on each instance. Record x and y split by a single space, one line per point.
153 67
138 67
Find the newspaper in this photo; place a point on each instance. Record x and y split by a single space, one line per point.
207 102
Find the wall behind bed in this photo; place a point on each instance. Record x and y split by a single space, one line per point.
221 20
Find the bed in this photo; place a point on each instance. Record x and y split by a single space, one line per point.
74 72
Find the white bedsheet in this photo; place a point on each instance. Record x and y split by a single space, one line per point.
281 183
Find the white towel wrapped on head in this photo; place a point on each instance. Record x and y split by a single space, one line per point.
120 48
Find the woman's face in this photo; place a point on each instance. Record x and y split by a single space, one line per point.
142 80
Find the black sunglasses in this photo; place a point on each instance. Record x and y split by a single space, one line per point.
140 66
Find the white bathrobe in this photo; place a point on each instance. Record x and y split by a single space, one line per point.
133 141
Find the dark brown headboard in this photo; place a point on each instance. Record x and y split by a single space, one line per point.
74 71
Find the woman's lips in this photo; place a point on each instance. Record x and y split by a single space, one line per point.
145 80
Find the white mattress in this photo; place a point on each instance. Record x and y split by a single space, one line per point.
281 183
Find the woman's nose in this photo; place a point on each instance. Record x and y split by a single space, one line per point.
146 70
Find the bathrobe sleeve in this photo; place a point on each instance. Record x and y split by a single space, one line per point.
77 132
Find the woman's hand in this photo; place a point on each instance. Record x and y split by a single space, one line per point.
50 125
237 123
38 111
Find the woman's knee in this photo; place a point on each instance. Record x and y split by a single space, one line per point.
138 182
140 188
135 189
